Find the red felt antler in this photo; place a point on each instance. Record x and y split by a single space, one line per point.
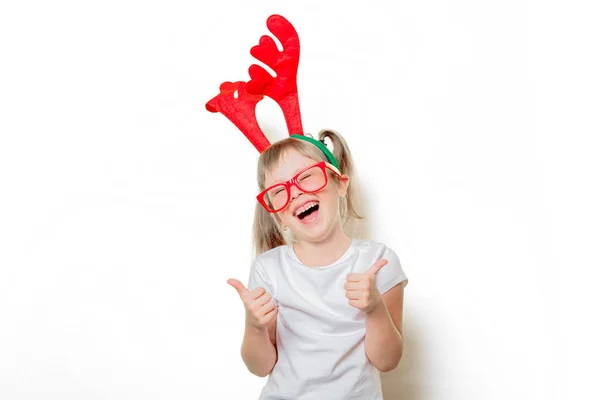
282 88
241 109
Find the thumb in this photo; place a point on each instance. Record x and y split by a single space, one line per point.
377 266
239 286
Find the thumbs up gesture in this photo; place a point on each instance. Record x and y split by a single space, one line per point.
260 309
361 288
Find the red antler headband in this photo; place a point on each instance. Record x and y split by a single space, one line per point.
237 100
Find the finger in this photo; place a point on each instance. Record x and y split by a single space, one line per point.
256 293
262 300
354 277
265 309
353 285
355 303
377 266
239 286
270 315
353 294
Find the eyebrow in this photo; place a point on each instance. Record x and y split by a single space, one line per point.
279 180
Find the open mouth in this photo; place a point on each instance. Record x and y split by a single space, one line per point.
311 210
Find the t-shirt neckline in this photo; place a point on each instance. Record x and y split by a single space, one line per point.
342 258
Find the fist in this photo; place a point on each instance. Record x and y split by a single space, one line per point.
260 308
361 289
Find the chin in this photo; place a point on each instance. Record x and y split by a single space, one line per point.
320 230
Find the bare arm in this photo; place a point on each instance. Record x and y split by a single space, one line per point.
259 349
384 342
258 346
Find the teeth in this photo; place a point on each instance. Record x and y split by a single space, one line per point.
305 207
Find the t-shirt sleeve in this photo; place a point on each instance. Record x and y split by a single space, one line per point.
392 273
258 277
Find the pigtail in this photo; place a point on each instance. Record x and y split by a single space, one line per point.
342 154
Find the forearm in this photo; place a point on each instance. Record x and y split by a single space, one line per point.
258 352
383 342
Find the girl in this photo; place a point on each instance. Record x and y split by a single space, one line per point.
323 313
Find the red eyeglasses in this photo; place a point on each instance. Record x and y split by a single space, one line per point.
311 179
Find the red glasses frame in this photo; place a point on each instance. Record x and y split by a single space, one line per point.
294 181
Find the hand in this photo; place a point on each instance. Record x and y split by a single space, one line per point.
362 290
260 310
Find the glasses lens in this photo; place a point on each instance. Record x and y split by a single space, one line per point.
312 179
276 197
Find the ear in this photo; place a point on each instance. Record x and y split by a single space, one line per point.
342 184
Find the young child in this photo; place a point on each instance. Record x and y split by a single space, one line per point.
324 312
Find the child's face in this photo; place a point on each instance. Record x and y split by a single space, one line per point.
319 223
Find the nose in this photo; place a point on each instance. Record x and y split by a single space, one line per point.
294 192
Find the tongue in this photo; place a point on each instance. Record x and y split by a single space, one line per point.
310 217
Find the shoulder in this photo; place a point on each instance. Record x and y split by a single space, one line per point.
271 258
392 273
373 248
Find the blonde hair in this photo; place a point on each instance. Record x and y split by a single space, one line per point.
266 231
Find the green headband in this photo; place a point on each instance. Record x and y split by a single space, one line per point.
321 146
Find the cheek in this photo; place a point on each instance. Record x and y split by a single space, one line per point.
330 199
286 219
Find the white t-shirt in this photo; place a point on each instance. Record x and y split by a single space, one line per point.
320 336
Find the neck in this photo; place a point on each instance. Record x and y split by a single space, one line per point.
323 252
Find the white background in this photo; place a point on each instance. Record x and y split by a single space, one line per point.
126 205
